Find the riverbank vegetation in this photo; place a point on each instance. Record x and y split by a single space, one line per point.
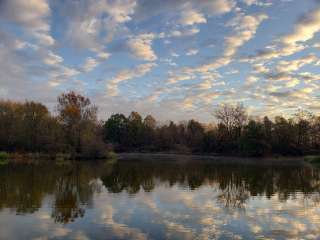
234 133
73 131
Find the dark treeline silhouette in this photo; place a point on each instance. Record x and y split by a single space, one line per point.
234 134
30 127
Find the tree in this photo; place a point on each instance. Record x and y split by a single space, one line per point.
10 115
78 116
194 135
115 129
233 117
135 130
34 119
253 142
303 120
268 128
149 124
283 140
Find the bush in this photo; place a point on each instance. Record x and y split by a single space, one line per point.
111 155
62 156
4 156
312 159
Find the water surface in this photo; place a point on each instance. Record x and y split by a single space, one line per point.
158 199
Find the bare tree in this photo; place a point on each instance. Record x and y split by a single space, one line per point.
231 116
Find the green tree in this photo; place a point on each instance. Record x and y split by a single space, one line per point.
115 129
253 141
135 130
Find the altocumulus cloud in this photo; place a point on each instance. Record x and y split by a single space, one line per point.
173 58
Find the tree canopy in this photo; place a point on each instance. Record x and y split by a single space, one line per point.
30 127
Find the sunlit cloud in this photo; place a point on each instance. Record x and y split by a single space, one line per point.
204 52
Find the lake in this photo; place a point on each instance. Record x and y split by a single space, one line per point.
159 199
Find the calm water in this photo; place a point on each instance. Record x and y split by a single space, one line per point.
159 200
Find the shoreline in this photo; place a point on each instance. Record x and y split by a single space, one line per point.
163 156
271 160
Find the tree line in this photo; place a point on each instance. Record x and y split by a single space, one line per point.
29 127
74 129
235 133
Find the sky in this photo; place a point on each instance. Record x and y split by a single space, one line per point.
174 59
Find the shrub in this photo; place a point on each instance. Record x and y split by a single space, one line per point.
4 157
312 159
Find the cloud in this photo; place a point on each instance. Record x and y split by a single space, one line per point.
141 47
36 37
53 59
251 80
290 66
91 24
245 27
260 68
120 230
305 29
183 33
125 75
90 64
191 17
103 55
177 78
31 15
192 52
258 3
218 6
146 9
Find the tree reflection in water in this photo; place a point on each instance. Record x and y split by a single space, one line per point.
23 188
72 187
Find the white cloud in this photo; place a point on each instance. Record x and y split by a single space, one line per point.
219 6
177 78
93 23
192 52
258 3
305 29
44 38
141 47
125 75
289 66
52 59
31 15
245 27
251 79
191 17
103 55
90 64
184 32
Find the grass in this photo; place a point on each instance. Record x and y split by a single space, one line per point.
63 159
315 159
4 158
111 155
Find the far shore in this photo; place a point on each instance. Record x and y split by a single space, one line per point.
270 160
160 156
